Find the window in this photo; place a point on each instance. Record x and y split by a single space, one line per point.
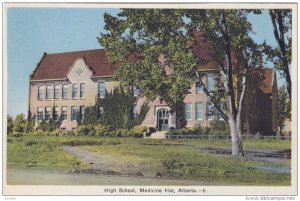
135 111
199 89
210 82
39 113
65 91
101 89
48 91
47 113
56 91
199 111
56 114
189 91
64 113
188 111
74 91
223 108
81 112
40 92
74 114
136 91
210 111
101 110
82 90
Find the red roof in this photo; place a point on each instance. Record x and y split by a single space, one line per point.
56 66
202 50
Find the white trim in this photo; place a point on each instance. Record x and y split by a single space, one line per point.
46 80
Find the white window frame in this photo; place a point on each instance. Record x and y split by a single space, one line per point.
47 113
101 91
199 110
74 108
64 113
74 90
212 116
56 113
210 86
188 111
82 90
81 114
48 95
42 92
56 91
40 110
64 90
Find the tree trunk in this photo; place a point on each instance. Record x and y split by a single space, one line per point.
236 138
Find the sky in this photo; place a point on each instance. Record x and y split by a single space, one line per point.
33 31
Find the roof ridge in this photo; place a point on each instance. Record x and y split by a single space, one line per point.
101 49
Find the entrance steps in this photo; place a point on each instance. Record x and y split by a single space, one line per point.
158 135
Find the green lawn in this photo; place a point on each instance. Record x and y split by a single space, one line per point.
173 158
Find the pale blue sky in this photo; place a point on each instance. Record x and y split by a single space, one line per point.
32 31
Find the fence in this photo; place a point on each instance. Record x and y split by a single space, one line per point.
225 137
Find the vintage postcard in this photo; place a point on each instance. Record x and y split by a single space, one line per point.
150 99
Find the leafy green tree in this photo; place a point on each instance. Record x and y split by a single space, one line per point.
30 123
19 123
91 115
281 55
10 124
284 108
116 110
228 33
154 52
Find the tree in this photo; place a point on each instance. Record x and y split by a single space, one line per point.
228 33
284 108
116 110
19 123
154 52
91 115
10 124
281 55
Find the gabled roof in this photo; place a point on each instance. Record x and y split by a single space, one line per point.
56 66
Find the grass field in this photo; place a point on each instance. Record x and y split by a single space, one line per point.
173 158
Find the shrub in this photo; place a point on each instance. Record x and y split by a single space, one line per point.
85 130
102 130
137 131
37 133
19 123
57 132
122 132
218 128
48 126
16 134
182 131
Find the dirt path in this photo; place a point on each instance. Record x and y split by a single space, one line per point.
106 164
95 160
